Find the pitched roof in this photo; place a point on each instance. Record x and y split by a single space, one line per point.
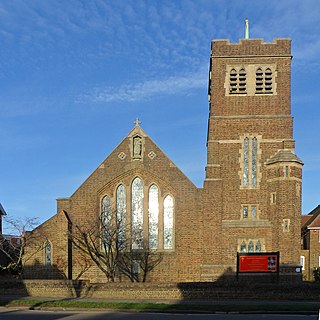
284 155
305 219
2 211
312 220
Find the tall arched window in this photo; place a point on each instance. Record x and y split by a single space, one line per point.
250 162
153 216
254 162
106 221
121 216
137 213
48 253
246 162
168 222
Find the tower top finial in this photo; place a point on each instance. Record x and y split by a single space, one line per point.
246 33
137 122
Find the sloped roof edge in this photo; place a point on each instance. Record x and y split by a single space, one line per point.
284 155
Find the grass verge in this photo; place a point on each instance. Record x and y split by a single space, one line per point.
298 307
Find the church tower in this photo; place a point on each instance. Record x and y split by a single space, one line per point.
253 177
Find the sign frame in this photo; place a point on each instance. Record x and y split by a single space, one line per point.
258 262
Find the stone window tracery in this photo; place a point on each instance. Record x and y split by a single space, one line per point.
250 79
251 245
150 218
264 81
237 81
249 212
249 157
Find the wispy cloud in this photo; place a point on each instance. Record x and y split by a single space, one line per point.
145 90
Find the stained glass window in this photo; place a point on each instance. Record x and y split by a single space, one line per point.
106 221
258 246
243 247
254 212
168 223
121 216
250 247
245 212
137 213
153 216
47 254
246 162
254 162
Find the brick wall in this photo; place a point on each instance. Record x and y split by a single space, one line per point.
166 291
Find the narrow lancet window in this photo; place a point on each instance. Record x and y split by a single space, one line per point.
153 216
47 254
121 217
246 162
106 222
258 246
254 212
137 214
245 212
168 223
250 247
243 247
254 162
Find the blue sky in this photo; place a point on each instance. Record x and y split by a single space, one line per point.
74 75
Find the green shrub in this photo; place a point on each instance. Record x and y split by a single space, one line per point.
316 274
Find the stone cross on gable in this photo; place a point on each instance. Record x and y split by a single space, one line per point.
137 122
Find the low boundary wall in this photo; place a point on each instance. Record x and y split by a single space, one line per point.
160 291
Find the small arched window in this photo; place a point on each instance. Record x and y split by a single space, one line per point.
48 253
250 247
243 247
258 246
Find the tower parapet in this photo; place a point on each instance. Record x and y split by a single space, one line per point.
251 47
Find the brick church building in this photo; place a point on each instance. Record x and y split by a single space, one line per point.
251 196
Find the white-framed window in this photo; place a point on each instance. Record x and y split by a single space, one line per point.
302 262
319 236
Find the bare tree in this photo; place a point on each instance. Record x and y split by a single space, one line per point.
108 242
137 263
12 247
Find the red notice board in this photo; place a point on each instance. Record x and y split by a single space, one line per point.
264 262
